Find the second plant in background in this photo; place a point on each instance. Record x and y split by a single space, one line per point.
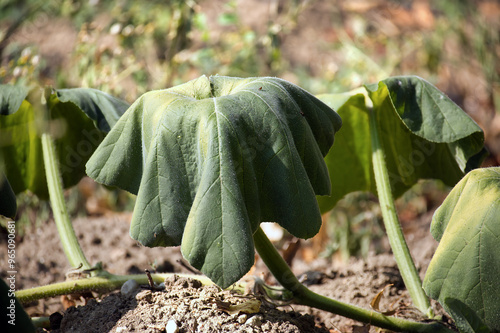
395 133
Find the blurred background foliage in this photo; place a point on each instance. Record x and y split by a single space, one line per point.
128 47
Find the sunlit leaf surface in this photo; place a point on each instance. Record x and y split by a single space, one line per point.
211 159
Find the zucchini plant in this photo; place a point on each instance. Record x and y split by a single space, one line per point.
45 141
211 159
47 145
396 132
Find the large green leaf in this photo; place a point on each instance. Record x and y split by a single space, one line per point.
212 158
464 273
424 135
78 119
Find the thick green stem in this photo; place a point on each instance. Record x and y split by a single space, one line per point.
304 296
104 282
69 241
393 228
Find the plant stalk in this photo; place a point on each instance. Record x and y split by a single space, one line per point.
395 234
304 296
104 282
69 241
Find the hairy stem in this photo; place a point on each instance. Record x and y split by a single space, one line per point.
393 228
104 282
304 296
69 241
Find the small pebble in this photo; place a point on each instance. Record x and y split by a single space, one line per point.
242 319
171 327
129 287
121 329
255 321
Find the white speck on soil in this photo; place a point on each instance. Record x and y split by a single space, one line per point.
171 327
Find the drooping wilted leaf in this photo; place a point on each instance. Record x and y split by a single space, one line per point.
77 119
211 159
464 273
424 135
